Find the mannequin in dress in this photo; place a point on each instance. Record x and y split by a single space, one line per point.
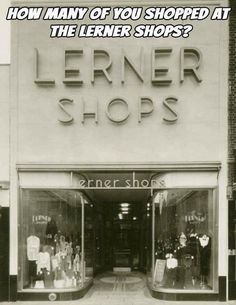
205 255
193 250
171 267
180 253
77 264
33 246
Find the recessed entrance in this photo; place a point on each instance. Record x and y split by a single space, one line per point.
122 228
122 223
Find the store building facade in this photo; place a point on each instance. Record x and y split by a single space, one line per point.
119 116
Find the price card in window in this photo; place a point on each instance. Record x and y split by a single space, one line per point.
159 270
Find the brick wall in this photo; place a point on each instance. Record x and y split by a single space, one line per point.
232 91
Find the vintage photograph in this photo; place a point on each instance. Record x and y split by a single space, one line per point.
117 152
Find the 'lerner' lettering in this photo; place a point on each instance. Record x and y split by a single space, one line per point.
147 69
38 80
72 73
101 70
158 73
190 69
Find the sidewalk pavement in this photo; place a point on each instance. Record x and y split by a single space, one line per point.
116 292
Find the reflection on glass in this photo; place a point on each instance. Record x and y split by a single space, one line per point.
184 239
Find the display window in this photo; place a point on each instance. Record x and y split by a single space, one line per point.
184 237
51 243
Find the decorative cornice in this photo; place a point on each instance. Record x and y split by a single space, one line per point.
139 166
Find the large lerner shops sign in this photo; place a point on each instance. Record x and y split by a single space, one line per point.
190 60
130 99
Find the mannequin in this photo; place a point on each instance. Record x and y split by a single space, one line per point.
180 252
69 269
205 255
33 245
193 250
182 240
62 254
171 267
77 263
43 261
181 247
69 252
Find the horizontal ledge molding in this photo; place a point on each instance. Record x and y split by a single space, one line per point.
151 166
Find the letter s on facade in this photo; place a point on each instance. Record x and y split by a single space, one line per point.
170 99
61 105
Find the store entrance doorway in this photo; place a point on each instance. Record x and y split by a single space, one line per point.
122 222
120 243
